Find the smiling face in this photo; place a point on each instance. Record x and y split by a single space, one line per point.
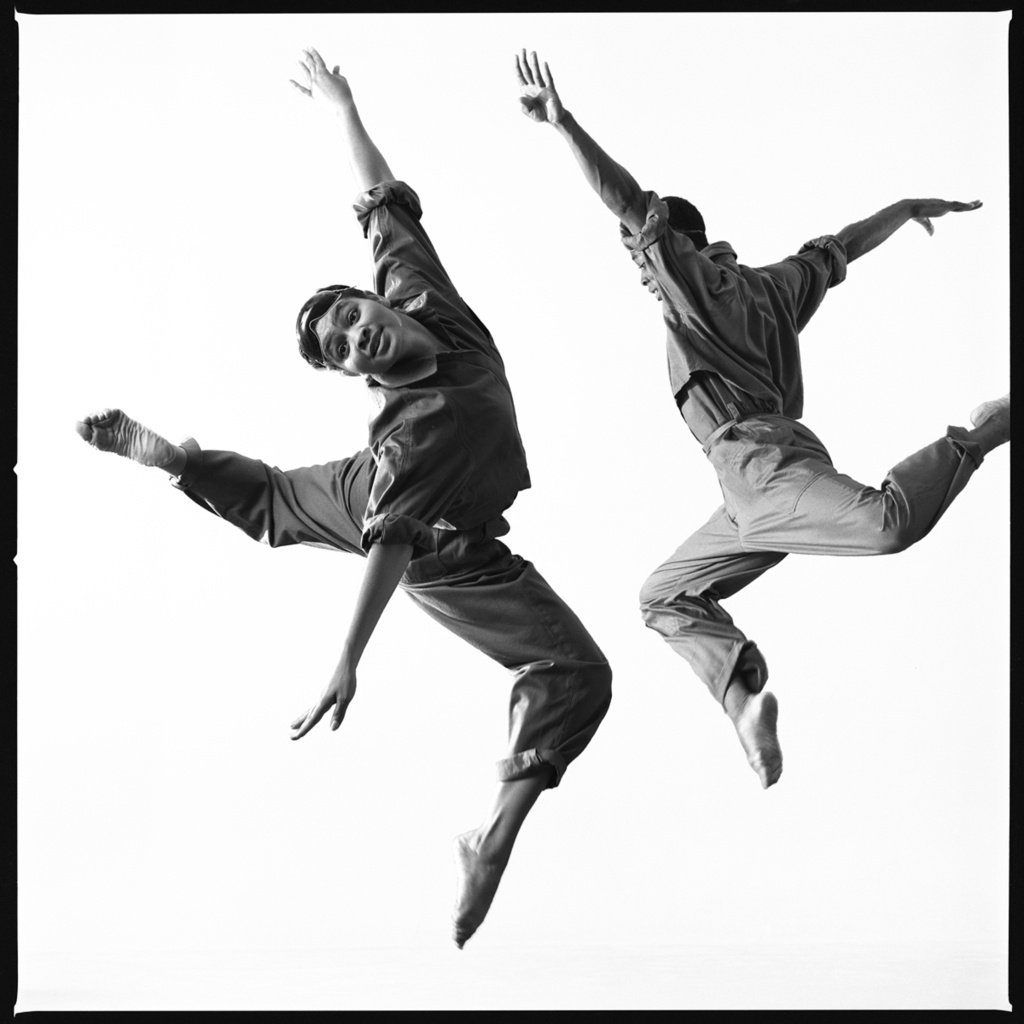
361 336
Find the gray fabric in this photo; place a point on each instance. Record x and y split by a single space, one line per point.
783 495
470 583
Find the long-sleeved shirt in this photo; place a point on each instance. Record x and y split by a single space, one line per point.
721 316
447 447
736 321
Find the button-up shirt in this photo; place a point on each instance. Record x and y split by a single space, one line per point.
447 447
736 321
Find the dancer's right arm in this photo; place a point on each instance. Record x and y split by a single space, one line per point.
385 565
331 92
617 188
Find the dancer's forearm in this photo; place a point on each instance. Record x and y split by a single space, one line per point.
331 92
617 188
365 160
384 568
867 234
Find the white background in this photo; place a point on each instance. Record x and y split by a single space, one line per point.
178 201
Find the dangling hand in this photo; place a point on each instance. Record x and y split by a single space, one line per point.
337 694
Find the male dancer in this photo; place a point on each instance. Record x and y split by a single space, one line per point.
734 368
423 502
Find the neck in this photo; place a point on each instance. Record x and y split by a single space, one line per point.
408 371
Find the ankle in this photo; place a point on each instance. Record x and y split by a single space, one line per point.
736 699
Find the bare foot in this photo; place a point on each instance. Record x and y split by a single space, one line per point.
112 431
756 727
992 422
476 883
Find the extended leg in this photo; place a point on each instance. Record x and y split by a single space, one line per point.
991 422
500 604
318 505
112 431
787 496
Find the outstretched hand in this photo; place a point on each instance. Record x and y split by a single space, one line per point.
537 94
924 209
325 87
338 694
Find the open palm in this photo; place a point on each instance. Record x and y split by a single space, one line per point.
537 94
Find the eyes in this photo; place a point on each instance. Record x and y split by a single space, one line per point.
341 345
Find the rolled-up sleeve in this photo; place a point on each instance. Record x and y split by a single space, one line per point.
691 283
408 271
655 223
805 277
831 252
405 263
423 468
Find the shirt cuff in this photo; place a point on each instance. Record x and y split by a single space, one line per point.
193 464
654 224
381 193
391 528
836 249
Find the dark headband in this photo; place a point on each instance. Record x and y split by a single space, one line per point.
312 309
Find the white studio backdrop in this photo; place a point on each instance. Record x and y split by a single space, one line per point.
178 200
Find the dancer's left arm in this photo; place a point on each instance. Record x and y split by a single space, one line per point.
865 235
385 565
330 91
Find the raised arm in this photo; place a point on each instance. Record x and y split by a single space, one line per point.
613 183
331 92
865 235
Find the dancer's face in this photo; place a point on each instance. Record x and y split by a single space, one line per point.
361 336
646 277
649 283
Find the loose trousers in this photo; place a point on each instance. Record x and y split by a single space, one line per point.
781 495
472 585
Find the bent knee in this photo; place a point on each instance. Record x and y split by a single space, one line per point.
893 539
653 596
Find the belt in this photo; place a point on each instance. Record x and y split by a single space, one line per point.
719 431
710 406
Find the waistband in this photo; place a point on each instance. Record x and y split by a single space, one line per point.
710 405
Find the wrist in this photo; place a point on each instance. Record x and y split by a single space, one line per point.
345 110
347 663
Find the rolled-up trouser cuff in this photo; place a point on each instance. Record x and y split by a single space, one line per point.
530 762
746 663
957 437
193 464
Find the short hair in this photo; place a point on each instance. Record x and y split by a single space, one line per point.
312 309
684 216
